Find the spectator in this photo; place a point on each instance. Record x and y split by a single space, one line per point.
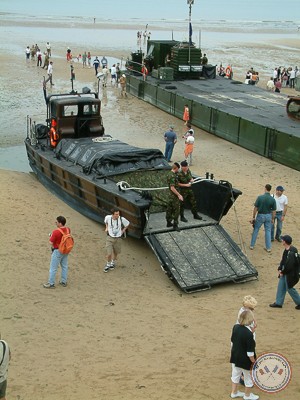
270 85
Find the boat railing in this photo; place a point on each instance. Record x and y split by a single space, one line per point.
31 131
134 67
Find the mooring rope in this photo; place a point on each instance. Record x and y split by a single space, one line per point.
123 185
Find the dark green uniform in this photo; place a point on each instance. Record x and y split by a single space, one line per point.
186 192
173 207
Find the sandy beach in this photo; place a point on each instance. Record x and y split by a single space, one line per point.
129 334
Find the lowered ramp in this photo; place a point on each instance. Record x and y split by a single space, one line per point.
200 257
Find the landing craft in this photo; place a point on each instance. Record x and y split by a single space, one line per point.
94 172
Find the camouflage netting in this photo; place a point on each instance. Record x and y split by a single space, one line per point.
148 179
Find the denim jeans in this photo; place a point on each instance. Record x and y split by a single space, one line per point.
282 289
56 259
169 150
278 222
266 220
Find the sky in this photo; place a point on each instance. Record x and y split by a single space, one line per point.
256 10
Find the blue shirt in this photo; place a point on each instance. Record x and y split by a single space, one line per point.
170 136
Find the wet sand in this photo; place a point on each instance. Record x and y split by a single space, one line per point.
130 334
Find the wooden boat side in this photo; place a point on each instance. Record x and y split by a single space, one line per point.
91 197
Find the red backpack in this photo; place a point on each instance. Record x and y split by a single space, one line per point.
67 242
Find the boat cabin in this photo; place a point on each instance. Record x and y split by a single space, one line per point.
73 117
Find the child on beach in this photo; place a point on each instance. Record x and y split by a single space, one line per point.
249 303
189 144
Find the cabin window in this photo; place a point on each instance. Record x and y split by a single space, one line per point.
89 109
69 111
95 109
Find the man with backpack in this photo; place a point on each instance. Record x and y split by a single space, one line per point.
61 243
288 274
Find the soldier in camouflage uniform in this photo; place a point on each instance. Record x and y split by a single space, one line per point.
185 180
173 207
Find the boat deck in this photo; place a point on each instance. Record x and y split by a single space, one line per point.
236 98
157 222
246 115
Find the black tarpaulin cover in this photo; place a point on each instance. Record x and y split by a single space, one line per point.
109 156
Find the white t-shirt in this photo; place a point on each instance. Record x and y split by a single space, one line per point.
115 225
113 70
50 69
190 139
281 201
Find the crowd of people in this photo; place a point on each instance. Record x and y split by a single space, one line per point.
282 78
252 77
35 53
286 76
102 70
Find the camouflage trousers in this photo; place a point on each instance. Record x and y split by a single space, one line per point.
188 197
173 209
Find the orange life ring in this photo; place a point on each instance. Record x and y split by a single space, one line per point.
144 70
228 71
54 137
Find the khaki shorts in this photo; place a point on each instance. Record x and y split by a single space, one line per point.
113 245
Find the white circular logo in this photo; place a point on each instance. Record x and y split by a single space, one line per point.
271 372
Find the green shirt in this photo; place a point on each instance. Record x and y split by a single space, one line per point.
184 178
173 180
265 204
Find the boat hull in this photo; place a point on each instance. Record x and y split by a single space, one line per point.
91 197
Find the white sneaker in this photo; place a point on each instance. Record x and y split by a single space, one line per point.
251 396
237 394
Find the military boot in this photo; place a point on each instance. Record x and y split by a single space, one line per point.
196 216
